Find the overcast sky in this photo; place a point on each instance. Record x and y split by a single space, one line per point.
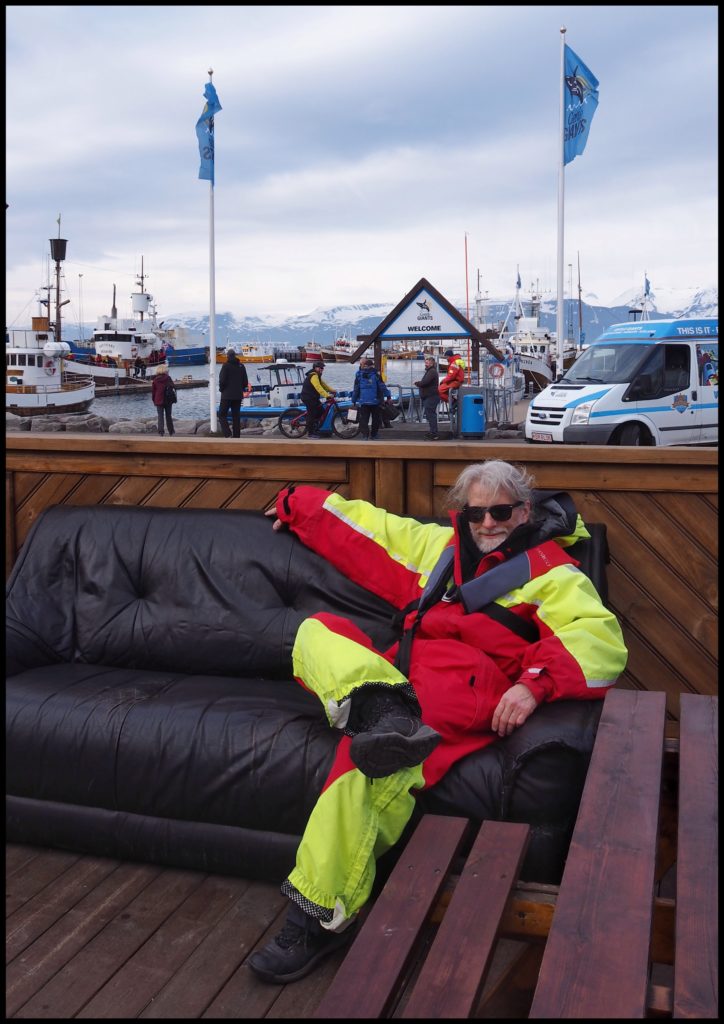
356 147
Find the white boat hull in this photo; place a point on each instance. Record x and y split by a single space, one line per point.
112 376
40 399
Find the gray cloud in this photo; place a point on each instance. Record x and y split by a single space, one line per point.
355 148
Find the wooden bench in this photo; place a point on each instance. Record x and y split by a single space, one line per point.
598 942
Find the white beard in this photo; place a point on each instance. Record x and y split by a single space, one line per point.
487 544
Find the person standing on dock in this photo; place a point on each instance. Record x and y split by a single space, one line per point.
233 382
368 393
163 394
428 385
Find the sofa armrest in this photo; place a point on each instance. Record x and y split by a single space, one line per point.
24 649
550 752
535 774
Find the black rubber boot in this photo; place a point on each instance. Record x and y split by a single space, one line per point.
389 734
297 949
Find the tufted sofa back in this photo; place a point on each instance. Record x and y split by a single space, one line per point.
215 592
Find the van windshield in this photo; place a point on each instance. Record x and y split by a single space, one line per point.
607 364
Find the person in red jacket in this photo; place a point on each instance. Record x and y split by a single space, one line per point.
454 377
450 385
161 400
498 618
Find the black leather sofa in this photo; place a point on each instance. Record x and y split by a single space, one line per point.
152 715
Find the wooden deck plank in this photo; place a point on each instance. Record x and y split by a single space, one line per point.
696 985
244 995
596 958
33 877
382 950
79 962
218 956
454 972
40 913
144 975
17 856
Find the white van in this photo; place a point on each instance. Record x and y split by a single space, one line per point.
652 382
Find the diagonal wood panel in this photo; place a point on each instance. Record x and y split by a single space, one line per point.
660 508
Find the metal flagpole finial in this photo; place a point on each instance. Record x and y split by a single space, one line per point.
563 29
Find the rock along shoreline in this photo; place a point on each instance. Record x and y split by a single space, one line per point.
92 423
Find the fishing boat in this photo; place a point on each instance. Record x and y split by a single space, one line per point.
340 352
274 384
36 380
400 350
36 377
312 352
125 348
184 346
248 352
532 347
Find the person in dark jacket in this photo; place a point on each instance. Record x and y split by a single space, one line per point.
368 392
429 396
233 382
314 389
160 400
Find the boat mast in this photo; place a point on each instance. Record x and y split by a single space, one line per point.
139 281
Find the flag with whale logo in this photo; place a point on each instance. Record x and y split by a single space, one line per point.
205 133
581 101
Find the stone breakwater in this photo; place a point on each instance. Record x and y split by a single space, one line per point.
92 423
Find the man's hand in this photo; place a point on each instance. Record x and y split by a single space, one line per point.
514 707
277 524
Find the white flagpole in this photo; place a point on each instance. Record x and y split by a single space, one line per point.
212 314
561 179
213 425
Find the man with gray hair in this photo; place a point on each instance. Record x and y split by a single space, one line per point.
497 618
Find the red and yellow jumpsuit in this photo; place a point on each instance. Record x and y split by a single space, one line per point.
460 666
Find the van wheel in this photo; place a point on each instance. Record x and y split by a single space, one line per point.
633 434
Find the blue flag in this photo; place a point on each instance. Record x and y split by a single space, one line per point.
205 133
647 285
581 99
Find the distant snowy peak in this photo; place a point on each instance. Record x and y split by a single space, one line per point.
675 302
323 326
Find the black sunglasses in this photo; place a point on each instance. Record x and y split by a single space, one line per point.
500 513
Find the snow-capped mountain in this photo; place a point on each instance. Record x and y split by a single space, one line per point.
323 326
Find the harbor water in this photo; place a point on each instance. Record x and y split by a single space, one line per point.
193 403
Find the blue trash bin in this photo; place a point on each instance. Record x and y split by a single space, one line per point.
472 419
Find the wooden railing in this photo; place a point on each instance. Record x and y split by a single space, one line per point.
660 507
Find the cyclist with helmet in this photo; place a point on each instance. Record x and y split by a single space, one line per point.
314 389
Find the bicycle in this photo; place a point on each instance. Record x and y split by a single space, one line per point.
334 419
